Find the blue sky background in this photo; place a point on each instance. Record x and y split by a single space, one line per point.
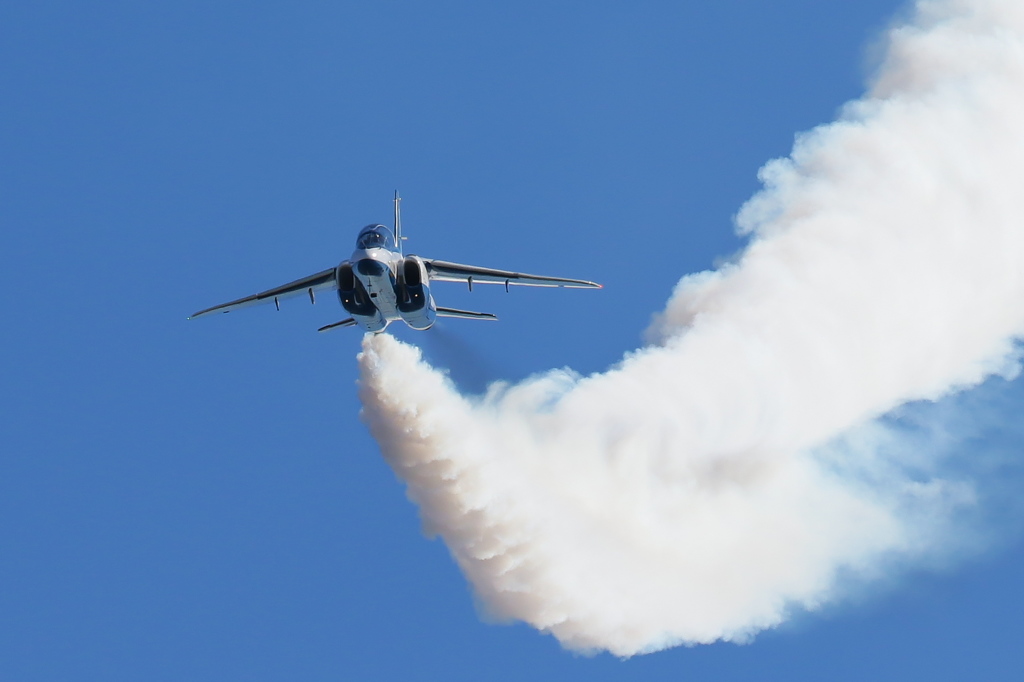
199 500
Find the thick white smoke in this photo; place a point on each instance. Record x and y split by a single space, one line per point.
735 470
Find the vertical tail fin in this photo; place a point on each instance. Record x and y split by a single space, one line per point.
398 221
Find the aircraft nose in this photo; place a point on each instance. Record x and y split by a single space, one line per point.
370 267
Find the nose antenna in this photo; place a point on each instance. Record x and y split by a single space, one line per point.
398 222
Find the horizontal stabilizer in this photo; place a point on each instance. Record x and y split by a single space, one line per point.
465 314
337 325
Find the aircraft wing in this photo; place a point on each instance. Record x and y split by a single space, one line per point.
306 285
444 271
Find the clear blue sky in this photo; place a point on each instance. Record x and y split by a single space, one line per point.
199 500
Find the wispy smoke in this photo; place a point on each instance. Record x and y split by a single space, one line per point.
740 466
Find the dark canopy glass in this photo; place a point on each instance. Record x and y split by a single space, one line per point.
375 237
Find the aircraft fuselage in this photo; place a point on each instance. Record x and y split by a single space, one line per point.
382 293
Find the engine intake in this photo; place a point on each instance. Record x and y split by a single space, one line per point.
412 271
412 294
353 295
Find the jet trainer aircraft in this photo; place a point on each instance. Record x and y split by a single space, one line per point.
379 285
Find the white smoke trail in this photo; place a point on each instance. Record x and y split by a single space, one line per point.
709 484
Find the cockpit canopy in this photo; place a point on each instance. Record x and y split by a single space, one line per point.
375 237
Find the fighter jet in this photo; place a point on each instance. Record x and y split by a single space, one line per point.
379 285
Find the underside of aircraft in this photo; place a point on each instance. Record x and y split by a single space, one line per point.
379 285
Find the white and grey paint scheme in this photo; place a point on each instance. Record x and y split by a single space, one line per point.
379 285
